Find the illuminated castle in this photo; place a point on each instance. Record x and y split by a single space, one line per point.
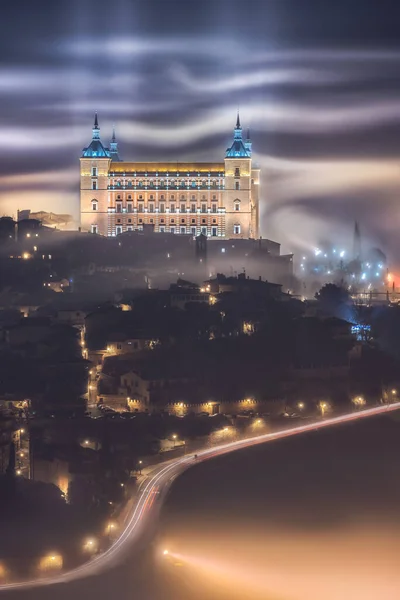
219 200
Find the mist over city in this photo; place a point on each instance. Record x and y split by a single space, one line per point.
199 300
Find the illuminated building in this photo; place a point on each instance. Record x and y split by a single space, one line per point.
219 200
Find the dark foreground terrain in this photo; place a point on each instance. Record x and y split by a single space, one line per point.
309 518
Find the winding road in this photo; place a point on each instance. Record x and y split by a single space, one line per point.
155 486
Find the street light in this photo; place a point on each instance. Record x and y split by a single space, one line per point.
174 438
300 405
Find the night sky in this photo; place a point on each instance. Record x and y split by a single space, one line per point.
316 81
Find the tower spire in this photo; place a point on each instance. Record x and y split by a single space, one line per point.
96 128
114 146
238 126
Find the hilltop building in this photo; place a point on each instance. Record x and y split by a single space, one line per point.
218 200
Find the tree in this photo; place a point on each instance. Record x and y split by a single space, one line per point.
335 300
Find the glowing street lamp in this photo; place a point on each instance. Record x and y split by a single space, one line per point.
359 401
51 562
90 545
174 438
323 407
300 405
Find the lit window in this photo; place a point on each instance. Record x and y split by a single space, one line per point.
236 229
94 228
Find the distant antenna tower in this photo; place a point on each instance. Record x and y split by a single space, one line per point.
357 242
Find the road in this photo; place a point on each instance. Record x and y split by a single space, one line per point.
144 511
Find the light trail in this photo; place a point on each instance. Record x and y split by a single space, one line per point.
145 509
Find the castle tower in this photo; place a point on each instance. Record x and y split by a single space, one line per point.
241 188
114 148
94 168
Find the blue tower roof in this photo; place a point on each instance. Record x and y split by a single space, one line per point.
96 148
114 148
238 148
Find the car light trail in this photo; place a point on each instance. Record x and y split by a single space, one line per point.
145 508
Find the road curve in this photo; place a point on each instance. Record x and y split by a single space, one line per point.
154 487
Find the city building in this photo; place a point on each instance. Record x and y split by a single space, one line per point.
219 200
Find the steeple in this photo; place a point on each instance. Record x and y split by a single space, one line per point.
247 143
114 147
96 148
96 128
238 148
238 128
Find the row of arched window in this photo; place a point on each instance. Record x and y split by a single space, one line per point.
141 183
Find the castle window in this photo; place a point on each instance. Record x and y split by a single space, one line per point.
193 231
214 208
236 229
182 220
172 197
162 229
140 207
94 229
183 197
214 220
172 220
203 182
214 197
151 221
129 183
129 228
162 220
237 185
214 182
162 208
151 208
204 221
172 183
94 205
183 229
204 230
129 197
182 182
193 208
151 197
118 230
151 183
193 197
118 220
193 183
172 208
162 182
140 220
129 207
94 171
236 205
204 208
183 208
94 185
118 197
118 206
140 183
162 197
129 220
193 220
252 181
214 231
172 229
237 172
140 197
203 197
